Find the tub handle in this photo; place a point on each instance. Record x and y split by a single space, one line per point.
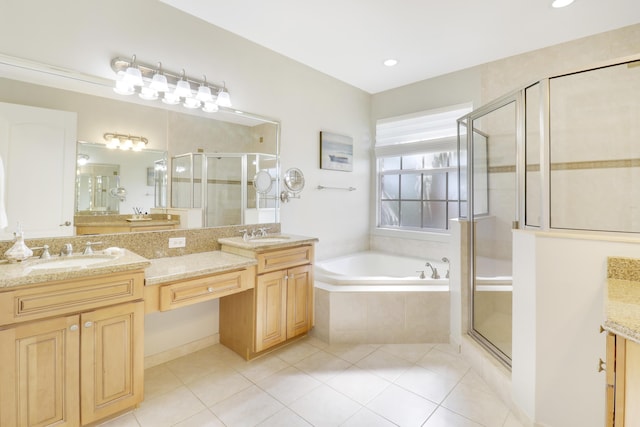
422 276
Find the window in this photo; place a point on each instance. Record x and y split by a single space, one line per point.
417 168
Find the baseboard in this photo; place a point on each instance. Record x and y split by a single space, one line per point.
173 353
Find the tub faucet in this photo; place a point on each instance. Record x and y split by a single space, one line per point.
445 259
434 271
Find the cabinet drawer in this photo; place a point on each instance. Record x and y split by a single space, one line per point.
204 288
63 297
285 258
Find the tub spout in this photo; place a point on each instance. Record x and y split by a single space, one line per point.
434 271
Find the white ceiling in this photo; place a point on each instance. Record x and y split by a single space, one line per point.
349 39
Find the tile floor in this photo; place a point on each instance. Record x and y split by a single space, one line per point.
311 383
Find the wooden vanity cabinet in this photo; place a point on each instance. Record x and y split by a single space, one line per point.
81 365
623 382
279 308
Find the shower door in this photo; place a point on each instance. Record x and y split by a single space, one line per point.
493 212
225 193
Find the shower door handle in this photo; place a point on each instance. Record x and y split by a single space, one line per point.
515 225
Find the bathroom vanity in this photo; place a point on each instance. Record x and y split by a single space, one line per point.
71 340
623 343
279 307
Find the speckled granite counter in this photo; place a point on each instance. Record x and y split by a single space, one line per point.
623 298
163 270
23 273
269 242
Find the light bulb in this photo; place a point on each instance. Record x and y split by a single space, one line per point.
123 87
204 94
183 89
210 107
148 93
224 100
170 98
191 103
159 83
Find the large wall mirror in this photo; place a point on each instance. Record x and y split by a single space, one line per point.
231 146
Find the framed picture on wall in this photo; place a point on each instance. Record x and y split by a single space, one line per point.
336 152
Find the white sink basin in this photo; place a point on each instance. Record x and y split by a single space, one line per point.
270 239
81 261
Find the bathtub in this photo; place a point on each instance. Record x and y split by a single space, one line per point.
380 272
379 298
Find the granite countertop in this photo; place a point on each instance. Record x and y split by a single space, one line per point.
269 242
163 270
623 298
23 273
132 224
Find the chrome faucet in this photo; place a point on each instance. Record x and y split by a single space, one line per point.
445 259
88 250
434 271
45 251
67 250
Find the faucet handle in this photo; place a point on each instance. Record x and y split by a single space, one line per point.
45 251
88 250
245 236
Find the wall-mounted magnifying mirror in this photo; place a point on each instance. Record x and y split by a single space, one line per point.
262 182
294 183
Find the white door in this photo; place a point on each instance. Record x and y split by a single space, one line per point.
38 150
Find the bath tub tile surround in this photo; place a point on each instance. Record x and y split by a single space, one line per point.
150 244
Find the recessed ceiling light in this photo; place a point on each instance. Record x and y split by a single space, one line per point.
561 3
390 62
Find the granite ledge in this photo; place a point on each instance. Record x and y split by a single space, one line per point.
256 245
12 275
169 269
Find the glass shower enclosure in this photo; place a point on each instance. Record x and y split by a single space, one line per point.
221 185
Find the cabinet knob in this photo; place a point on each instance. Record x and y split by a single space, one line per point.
88 324
602 365
209 289
73 328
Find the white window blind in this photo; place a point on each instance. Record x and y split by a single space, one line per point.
430 125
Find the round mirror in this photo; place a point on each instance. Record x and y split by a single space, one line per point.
294 180
262 182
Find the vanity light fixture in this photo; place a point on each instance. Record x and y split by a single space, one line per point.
125 142
175 88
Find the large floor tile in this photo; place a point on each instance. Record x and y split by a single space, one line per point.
443 417
384 364
358 384
247 408
484 408
352 352
217 386
322 365
367 418
262 368
410 352
159 380
325 407
445 363
295 353
426 383
284 418
202 419
289 384
126 420
169 408
402 407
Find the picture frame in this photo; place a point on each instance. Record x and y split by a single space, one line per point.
336 152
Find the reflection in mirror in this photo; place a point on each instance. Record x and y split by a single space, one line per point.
112 181
168 131
216 184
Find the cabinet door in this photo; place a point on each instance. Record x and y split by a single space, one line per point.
112 360
39 374
299 300
271 310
